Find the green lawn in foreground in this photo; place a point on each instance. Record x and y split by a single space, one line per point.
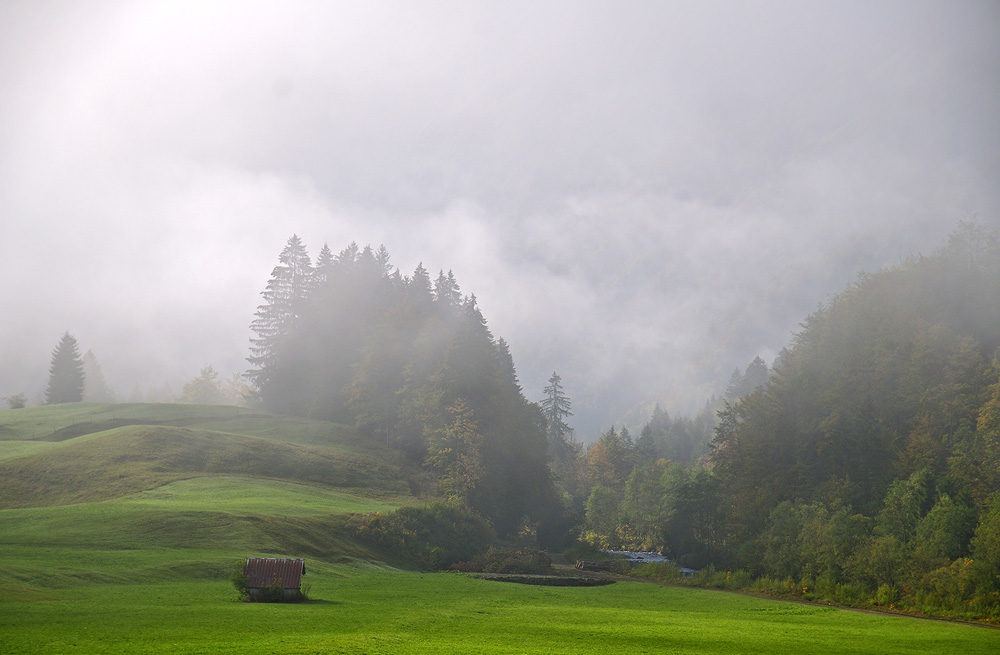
363 609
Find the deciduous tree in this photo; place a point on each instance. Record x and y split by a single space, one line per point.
206 389
17 401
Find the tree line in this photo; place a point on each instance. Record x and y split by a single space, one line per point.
863 466
412 364
74 378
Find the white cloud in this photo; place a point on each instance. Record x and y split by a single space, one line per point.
643 196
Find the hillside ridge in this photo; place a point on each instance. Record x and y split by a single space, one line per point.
103 464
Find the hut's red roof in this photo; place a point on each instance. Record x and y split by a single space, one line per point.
266 571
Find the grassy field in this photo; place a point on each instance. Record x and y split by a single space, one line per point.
364 609
118 537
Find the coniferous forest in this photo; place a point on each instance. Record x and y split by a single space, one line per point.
862 466
413 365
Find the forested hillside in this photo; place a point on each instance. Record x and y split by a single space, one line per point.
869 460
889 381
414 366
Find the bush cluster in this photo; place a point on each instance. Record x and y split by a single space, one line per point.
432 537
948 591
514 559
239 580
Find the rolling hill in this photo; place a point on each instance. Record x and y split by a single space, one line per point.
130 492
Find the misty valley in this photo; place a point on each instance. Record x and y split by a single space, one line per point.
382 423
445 327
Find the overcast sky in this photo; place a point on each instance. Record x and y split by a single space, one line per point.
642 195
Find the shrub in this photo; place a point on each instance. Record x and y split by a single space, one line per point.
621 567
740 579
272 593
718 579
807 585
851 594
661 572
768 585
239 580
514 559
709 577
431 537
886 595
826 586
465 567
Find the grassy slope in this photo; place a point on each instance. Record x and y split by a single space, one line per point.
101 500
54 423
119 537
129 459
87 452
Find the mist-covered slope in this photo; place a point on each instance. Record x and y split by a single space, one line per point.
69 456
53 423
132 493
891 377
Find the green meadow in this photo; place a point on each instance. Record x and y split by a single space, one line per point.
119 524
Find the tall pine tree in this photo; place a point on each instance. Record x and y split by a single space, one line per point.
65 373
284 296
556 407
325 264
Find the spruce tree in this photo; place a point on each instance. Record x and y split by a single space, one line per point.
325 264
286 291
556 406
447 293
65 373
507 372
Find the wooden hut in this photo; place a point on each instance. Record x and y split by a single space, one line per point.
274 578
